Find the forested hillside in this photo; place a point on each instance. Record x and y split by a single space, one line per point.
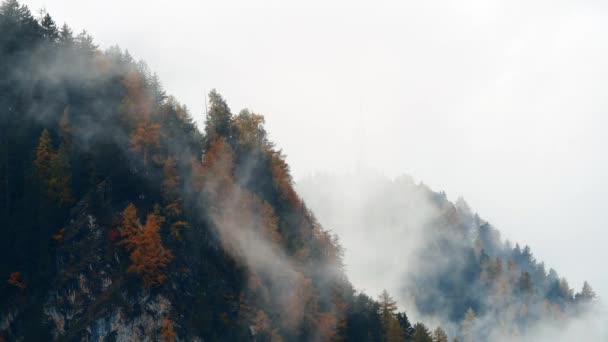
122 221
439 257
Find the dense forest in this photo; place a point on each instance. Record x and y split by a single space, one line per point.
445 261
123 221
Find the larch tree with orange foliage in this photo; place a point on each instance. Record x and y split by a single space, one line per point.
148 256
130 226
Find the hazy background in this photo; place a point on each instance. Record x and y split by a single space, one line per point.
503 102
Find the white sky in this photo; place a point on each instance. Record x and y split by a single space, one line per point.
503 102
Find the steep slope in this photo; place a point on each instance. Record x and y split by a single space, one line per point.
123 222
439 257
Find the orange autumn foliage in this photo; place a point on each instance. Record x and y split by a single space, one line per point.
16 279
130 226
148 256
59 236
167 331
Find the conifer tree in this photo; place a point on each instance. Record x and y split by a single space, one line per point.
148 256
66 37
130 226
406 326
218 120
388 307
421 333
49 28
587 294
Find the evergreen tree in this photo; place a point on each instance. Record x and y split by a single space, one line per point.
587 294
66 37
84 42
421 333
49 28
218 120
406 326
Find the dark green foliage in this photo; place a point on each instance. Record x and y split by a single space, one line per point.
85 132
421 333
406 326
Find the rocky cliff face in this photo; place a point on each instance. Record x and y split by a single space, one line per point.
87 301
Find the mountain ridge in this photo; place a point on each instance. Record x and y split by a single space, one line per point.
123 221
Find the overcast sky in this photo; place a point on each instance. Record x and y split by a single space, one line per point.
502 102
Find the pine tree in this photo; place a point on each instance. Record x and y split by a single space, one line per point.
49 28
84 42
218 120
587 294
406 326
421 333
66 36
